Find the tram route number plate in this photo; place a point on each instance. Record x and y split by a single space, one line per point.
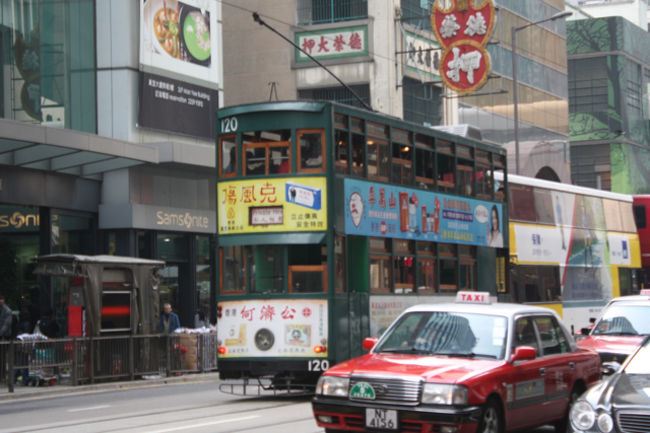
381 418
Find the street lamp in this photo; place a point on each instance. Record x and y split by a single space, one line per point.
513 38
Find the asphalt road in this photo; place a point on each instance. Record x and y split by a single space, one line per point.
184 407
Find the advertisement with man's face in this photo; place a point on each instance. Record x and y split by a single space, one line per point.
182 37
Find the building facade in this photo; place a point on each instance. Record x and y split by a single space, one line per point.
387 55
609 77
107 143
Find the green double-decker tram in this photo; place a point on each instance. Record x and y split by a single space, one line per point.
332 220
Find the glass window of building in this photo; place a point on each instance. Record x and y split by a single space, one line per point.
72 233
330 11
48 57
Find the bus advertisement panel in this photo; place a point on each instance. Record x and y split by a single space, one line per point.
376 209
272 205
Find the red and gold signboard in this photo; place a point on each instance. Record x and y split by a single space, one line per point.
463 28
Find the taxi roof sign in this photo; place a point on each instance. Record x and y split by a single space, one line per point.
469 297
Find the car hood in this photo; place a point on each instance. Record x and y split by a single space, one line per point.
612 344
430 368
621 390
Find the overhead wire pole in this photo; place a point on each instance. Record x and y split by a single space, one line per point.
261 22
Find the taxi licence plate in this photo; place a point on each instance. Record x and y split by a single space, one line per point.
381 419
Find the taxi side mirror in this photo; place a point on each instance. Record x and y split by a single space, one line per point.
523 353
368 343
584 331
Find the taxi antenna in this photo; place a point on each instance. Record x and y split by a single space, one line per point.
261 22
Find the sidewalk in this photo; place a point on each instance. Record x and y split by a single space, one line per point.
22 392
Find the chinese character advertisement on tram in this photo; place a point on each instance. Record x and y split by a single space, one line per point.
463 29
375 209
272 205
279 327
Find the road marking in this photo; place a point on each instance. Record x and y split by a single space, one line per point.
81 409
204 424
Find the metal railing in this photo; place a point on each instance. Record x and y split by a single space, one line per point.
77 361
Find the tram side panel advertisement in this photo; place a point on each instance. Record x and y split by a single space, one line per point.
273 328
374 209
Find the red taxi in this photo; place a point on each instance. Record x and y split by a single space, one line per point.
468 366
621 327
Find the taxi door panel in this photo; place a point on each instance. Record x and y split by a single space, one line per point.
526 386
558 366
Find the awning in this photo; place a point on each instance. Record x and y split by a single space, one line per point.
67 151
271 239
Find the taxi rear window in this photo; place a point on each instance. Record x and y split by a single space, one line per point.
447 333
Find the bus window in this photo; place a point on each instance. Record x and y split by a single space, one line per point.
311 150
543 206
228 155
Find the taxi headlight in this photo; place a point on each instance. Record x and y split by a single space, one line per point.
332 386
582 415
605 422
439 393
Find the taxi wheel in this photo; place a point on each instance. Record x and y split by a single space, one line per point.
491 419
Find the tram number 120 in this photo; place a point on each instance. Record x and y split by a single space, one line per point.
318 364
229 124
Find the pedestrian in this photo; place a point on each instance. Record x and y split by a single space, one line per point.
6 317
47 325
168 320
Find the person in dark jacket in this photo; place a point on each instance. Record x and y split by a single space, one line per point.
168 320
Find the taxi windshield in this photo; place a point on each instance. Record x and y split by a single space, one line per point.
448 334
624 319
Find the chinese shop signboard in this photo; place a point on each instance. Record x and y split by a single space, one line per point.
272 205
380 210
332 43
423 55
463 29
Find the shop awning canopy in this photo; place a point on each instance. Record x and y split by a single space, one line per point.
67 151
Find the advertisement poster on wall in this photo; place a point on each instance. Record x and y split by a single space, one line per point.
182 39
375 209
167 104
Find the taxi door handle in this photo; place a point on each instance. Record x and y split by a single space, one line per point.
542 371
572 365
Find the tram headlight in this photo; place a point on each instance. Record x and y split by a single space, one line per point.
441 393
333 386
582 415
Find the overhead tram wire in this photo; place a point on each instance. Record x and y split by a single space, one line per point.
261 22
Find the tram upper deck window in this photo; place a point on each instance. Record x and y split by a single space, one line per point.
446 166
402 169
378 159
358 154
342 151
311 152
227 155
267 152
424 161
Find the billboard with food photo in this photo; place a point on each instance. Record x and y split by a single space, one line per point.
182 39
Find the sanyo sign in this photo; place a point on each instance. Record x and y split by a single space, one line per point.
19 221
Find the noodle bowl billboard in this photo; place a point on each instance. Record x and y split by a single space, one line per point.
182 38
